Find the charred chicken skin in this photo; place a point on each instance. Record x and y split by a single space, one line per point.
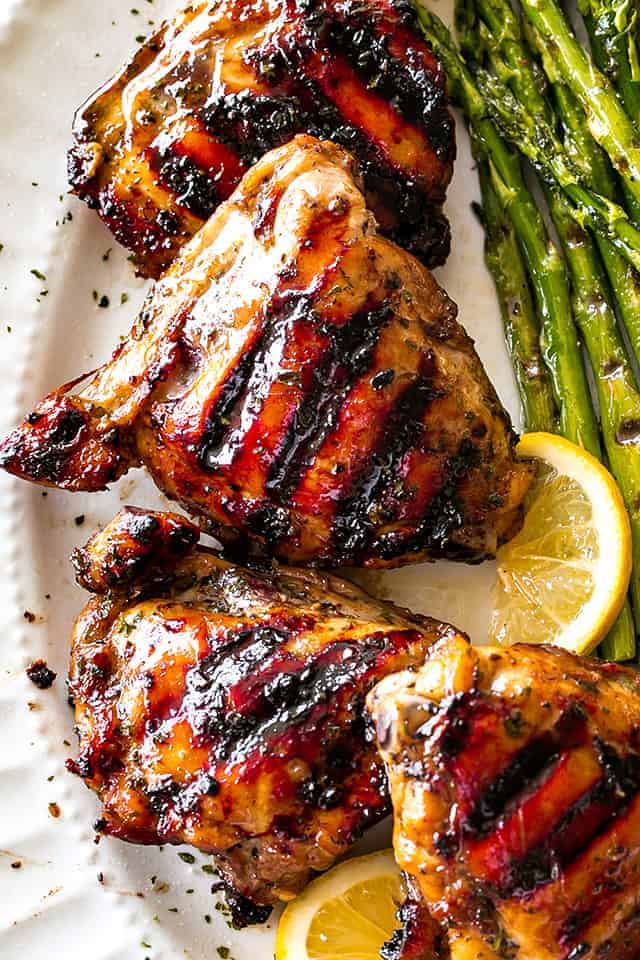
299 381
224 708
169 138
515 780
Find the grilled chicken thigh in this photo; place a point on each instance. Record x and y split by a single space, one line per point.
160 145
224 708
515 780
297 380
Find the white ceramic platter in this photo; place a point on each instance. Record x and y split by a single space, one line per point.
53 53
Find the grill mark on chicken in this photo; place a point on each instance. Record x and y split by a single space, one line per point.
594 812
592 816
598 809
527 773
332 81
219 416
282 54
194 188
234 665
362 509
530 764
139 225
266 370
604 905
435 532
300 383
245 389
249 386
526 767
529 759
252 123
348 357
402 207
375 59
442 518
223 707
274 693
199 169
375 47
294 334
310 108
341 86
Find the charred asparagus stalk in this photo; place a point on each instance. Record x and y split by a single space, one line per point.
508 52
618 397
486 96
620 643
613 32
521 327
560 347
610 125
598 175
539 142
624 279
612 26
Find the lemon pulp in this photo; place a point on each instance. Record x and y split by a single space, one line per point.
547 570
355 925
563 578
347 913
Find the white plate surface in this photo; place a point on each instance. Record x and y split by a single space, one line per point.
52 54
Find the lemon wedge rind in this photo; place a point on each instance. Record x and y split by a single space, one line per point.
604 570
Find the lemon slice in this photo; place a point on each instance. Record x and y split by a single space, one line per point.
346 914
563 579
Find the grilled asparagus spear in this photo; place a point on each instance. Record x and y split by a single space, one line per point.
613 33
521 326
610 125
547 272
507 51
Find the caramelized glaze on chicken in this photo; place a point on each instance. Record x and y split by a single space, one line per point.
224 708
418 935
298 381
515 780
159 146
